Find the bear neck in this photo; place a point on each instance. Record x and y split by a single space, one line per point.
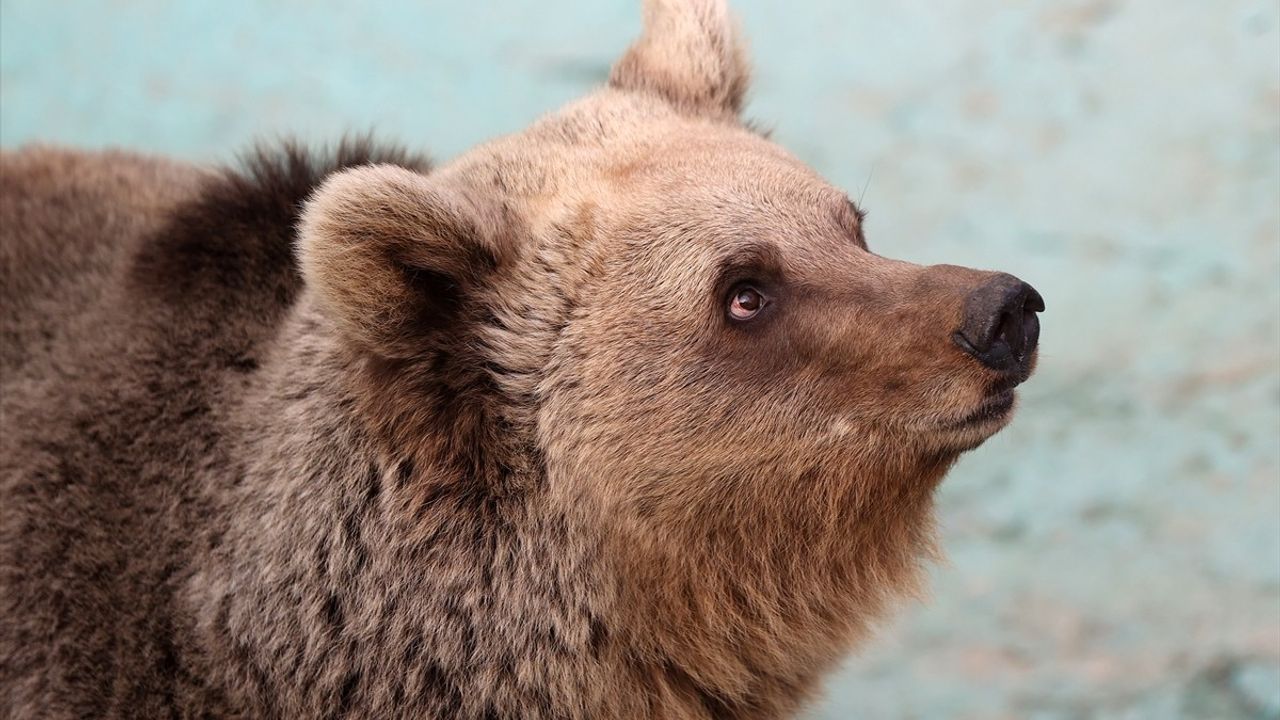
343 548
735 613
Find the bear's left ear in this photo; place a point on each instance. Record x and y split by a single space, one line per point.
689 54
393 255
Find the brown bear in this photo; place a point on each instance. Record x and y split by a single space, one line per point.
617 417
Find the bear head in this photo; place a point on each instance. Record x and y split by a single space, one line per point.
641 305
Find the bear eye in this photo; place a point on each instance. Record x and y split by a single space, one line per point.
745 302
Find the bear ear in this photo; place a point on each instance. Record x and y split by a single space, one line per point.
690 54
393 255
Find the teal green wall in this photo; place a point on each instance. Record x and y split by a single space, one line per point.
1116 553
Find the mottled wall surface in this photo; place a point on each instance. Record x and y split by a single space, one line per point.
1115 553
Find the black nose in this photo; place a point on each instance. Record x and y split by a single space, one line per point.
1000 326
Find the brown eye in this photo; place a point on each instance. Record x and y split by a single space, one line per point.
746 302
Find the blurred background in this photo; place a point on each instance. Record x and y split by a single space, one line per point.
1116 552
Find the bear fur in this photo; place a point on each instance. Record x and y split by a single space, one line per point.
342 435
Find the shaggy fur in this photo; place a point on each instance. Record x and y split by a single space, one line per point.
346 437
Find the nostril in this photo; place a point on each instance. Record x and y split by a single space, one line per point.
1020 328
1031 329
1011 331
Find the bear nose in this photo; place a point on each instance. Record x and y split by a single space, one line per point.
1000 327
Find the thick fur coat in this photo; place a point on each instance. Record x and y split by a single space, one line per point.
615 417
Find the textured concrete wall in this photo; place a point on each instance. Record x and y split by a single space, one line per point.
1116 553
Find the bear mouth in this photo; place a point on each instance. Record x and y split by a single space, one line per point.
994 408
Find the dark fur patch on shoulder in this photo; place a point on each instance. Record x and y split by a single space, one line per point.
234 243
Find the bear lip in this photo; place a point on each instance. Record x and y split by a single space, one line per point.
996 406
